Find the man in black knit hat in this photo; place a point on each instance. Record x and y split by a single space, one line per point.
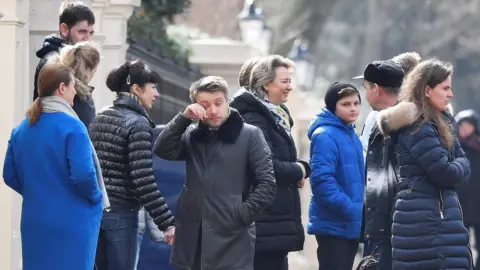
382 81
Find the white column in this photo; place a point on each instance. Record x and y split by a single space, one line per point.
98 81
114 18
14 77
43 21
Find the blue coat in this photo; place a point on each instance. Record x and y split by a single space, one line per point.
338 178
51 165
428 230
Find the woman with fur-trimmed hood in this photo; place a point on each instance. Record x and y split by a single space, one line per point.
83 58
427 230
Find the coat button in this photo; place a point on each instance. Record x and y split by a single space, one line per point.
369 179
369 209
367 236
370 152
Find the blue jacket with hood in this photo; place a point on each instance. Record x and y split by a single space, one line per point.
338 177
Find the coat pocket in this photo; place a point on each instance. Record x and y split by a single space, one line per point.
229 216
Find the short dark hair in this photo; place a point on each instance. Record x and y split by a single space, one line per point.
209 84
129 73
392 90
73 13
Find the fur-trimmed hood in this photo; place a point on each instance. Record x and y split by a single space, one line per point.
397 117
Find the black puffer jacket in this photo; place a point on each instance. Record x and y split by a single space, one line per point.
280 227
122 137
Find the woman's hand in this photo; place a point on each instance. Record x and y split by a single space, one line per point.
304 172
169 235
301 182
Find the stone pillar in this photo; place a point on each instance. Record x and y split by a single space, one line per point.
98 80
113 22
43 21
14 78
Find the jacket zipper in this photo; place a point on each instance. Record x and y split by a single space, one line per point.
440 205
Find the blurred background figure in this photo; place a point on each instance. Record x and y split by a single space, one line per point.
469 195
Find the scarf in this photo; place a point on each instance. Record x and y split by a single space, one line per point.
84 91
53 104
130 95
282 117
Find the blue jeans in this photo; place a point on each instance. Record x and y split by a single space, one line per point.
381 250
117 242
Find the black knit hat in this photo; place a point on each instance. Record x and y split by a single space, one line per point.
332 96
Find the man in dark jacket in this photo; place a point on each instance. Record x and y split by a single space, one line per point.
382 81
469 137
229 182
76 22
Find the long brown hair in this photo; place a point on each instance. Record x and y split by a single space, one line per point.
50 77
428 73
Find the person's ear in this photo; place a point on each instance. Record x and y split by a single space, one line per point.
64 30
428 90
376 89
266 87
136 90
61 88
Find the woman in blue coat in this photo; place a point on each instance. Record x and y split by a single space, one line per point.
50 163
428 230
337 178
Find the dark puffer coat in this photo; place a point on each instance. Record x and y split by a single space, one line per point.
122 137
280 227
427 230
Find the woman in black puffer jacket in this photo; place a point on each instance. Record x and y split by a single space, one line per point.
279 229
122 137
427 230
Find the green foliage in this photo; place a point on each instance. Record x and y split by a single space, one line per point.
166 8
148 27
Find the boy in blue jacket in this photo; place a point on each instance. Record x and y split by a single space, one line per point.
337 179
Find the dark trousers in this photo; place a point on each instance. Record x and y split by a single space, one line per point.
335 253
117 242
273 260
381 250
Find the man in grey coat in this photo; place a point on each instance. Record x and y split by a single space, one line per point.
229 181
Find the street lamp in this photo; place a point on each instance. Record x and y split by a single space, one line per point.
251 24
304 68
266 39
